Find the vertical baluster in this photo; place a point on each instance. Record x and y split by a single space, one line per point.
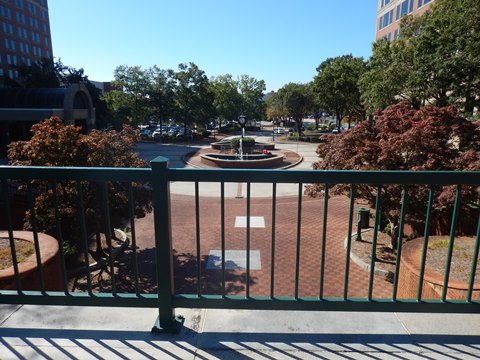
33 222
222 230
349 242
399 242
58 226
134 237
474 263
11 238
324 241
197 240
448 264
83 233
426 235
272 260
108 234
373 255
248 239
299 228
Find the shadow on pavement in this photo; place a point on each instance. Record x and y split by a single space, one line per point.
54 343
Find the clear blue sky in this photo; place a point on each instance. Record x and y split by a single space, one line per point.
278 41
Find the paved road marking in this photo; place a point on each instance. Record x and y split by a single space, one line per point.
234 260
255 222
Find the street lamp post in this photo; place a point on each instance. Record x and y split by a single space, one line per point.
242 120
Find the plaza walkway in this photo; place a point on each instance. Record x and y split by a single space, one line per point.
39 332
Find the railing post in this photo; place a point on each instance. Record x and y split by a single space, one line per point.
166 321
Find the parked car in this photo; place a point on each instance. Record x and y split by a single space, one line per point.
157 134
294 129
279 131
145 133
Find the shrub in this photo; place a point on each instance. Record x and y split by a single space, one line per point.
248 143
56 144
403 138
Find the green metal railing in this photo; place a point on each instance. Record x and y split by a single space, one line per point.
163 296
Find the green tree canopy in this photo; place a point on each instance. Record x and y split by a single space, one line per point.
435 60
226 97
129 101
296 100
336 86
252 94
193 97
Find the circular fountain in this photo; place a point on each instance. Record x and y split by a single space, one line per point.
256 155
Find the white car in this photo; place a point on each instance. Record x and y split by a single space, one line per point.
279 131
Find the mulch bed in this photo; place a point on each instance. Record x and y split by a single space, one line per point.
462 256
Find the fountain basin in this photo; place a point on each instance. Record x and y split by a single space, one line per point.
222 145
250 161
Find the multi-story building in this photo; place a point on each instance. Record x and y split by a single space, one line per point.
389 13
24 34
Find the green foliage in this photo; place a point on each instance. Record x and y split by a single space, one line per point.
434 61
252 92
336 86
227 100
247 142
193 96
56 144
296 100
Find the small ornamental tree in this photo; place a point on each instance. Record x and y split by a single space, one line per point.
403 138
56 144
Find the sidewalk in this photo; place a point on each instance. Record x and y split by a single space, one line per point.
40 332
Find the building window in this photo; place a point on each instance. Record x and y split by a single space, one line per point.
404 8
12 45
395 34
7 44
10 74
1 72
410 9
9 59
10 28
4 27
389 37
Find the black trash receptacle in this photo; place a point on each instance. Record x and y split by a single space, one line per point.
363 217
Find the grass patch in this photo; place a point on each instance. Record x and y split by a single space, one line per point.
441 243
23 250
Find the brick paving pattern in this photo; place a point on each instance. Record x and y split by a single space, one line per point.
311 226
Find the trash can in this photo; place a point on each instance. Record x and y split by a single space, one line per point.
363 217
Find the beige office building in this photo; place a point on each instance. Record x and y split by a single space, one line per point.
389 13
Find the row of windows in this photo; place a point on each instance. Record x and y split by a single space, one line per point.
25 48
23 33
388 37
423 2
406 7
5 12
385 2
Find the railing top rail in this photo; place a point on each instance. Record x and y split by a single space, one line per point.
325 176
74 173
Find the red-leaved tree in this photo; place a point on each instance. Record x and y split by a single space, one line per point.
56 144
403 138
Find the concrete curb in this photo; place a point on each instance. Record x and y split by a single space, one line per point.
364 265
